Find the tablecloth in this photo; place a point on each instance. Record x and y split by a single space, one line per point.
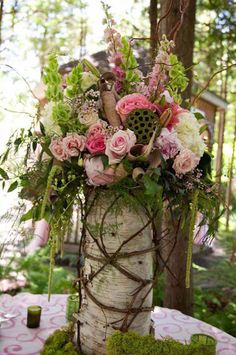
17 339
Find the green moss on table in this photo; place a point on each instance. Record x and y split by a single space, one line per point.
60 343
134 344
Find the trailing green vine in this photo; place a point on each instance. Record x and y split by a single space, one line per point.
193 215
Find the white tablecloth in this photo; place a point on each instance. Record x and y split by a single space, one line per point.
17 339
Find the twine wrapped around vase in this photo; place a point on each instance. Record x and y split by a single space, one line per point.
117 278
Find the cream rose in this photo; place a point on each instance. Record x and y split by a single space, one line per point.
88 117
185 162
119 145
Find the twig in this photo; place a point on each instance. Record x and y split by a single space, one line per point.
22 77
209 80
163 18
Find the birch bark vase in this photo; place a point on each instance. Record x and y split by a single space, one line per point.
118 273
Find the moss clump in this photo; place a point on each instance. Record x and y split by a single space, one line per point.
60 343
134 344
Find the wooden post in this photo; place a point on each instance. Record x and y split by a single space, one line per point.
229 184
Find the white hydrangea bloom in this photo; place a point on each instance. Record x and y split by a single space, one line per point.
188 133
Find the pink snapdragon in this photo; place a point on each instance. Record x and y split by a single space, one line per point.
119 145
120 76
58 149
74 144
132 102
96 173
185 162
168 143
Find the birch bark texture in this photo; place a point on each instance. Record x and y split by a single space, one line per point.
118 273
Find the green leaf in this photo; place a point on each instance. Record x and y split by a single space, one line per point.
46 149
5 156
28 215
105 161
151 187
34 144
42 128
203 128
91 68
199 115
13 186
4 174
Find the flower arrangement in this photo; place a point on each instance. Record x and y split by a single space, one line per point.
118 131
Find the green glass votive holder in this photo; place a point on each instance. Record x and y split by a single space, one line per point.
205 340
72 306
33 316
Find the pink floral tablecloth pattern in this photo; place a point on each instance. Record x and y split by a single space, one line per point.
17 339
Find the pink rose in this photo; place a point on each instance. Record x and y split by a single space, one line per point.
119 145
96 173
95 128
132 102
58 149
74 144
185 161
96 143
168 143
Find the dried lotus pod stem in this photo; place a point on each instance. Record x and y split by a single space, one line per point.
109 101
166 117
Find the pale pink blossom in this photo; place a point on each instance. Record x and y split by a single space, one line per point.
185 162
58 149
108 33
96 143
119 145
132 102
168 143
96 173
95 128
74 144
168 99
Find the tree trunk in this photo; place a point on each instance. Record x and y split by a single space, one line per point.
118 273
153 27
177 296
184 41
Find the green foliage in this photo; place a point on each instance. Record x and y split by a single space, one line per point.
35 268
53 79
74 81
61 113
130 63
134 344
60 343
178 79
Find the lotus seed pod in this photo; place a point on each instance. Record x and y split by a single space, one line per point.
143 123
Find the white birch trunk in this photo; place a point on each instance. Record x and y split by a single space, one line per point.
111 287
